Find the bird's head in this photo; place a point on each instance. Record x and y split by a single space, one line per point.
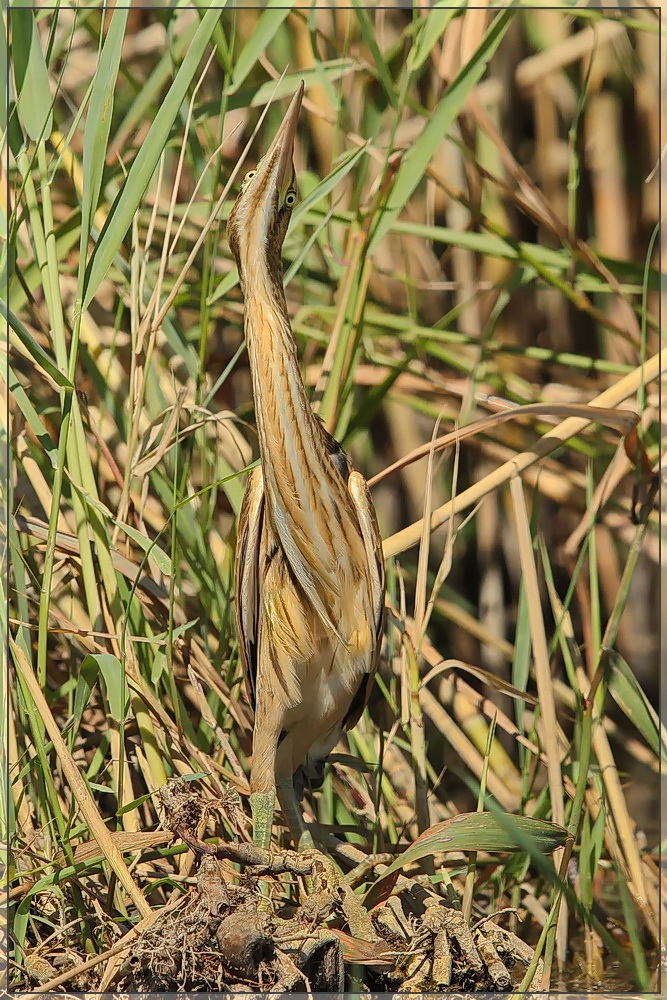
259 218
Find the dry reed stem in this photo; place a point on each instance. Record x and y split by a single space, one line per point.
548 724
574 47
77 785
555 438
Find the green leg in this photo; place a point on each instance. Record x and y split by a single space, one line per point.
293 814
262 807
306 842
301 835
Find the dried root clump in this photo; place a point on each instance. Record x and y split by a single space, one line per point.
441 951
240 933
220 937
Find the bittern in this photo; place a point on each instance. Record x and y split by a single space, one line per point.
309 570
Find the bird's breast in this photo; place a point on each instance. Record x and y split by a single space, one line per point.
312 664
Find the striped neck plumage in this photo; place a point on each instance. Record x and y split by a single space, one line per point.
291 440
305 495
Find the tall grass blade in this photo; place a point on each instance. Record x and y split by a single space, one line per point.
417 157
142 169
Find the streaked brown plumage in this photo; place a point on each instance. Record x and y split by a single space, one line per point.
309 572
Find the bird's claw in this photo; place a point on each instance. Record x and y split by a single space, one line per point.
327 891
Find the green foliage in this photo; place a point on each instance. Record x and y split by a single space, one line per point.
451 257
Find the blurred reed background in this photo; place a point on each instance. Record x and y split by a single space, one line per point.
477 229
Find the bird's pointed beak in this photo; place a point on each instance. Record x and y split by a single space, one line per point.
278 159
252 220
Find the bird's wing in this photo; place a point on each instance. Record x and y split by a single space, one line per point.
370 531
247 582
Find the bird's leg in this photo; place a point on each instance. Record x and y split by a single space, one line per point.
262 784
262 807
293 814
268 725
326 887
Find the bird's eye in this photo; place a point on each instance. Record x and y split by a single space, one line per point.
290 198
249 176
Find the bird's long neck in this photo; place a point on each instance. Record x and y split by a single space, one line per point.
288 430
307 502
304 500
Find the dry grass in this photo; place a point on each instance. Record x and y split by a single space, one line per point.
476 232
